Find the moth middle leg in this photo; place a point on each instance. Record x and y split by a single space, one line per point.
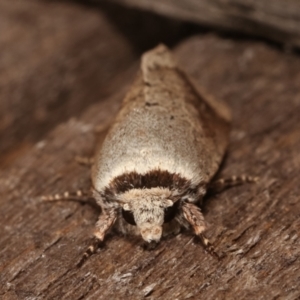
220 185
83 196
193 215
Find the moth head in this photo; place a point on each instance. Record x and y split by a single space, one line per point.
147 208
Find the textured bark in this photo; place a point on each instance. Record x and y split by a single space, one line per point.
277 20
55 58
255 226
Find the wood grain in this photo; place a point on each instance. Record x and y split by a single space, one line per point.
255 226
277 20
55 58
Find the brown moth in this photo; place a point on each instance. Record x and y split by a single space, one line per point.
157 160
160 155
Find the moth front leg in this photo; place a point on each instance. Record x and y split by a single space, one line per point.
105 222
107 218
195 218
103 225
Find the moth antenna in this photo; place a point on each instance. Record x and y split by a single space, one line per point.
221 184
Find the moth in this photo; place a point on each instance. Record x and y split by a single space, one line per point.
159 157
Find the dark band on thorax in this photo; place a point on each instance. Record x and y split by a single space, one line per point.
151 179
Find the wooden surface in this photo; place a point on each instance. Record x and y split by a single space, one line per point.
58 57
255 226
277 20
48 54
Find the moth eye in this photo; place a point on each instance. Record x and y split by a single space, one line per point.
128 217
170 213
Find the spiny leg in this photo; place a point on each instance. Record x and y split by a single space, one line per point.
84 197
224 183
195 218
105 222
79 195
103 225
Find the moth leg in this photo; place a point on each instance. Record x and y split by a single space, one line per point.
103 225
83 160
195 218
95 244
84 197
79 195
224 183
105 222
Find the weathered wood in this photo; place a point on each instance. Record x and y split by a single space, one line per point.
59 57
256 227
277 20
55 59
